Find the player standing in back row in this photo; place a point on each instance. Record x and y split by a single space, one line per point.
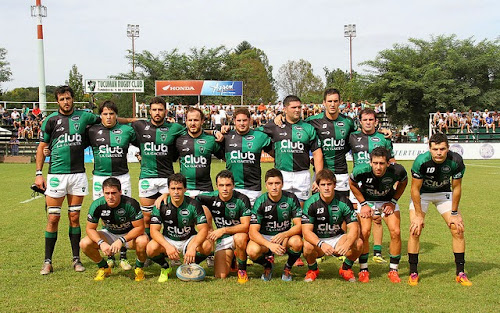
431 173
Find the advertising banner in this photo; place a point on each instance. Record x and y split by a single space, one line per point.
113 85
468 151
198 88
222 88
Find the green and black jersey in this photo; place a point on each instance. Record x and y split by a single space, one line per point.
437 176
110 148
376 188
292 143
243 154
195 158
67 140
275 217
334 137
157 144
327 218
362 145
228 213
116 220
179 222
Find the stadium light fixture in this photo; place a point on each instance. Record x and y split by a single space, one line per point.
39 11
133 32
350 32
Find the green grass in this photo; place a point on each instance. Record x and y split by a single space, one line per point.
23 289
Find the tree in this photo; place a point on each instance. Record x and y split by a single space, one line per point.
244 45
350 89
297 78
75 81
5 72
421 77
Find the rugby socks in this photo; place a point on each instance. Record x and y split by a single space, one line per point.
75 234
348 264
394 262
242 264
292 257
50 243
262 260
460 261
377 249
198 258
413 260
160 260
103 264
139 264
313 267
363 262
123 253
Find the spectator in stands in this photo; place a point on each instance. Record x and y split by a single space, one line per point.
262 108
2 110
442 122
475 122
143 110
16 118
217 120
484 116
489 123
464 122
25 112
36 112
14 145
179 113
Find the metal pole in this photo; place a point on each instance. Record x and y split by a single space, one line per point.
42 97
133 75
350 56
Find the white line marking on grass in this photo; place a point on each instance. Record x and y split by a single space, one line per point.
26 201
481 165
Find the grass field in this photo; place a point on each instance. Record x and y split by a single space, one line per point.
23 289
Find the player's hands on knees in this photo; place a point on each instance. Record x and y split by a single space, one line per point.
327 249
279 238
40 182
389 208
172 253
277 249
342 249
366 211
106 248
116 246
416 225
458 222
216 234
161 199
190 256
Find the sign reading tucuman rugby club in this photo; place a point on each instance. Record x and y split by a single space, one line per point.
113 85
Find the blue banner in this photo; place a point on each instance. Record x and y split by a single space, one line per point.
222 88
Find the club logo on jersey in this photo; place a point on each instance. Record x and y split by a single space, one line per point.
340 124
185 221
152 147
231 206
283 205
446 169
105 149
342 131
164 129
122 219
242 156
375 139
249 137
232 214
285 215
54 182
299 135
120 211
69 139
77 126
190 159
325 126
249 145
147 127
202 150
75 118
97 186
268 208
330 142
184 212
387 180
118 139
145 184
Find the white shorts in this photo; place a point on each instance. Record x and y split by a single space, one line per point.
109 237
97 185
377 207
342 182
332 241
193 193
224 244
251 194
297 182
442 201
60 185
180 245
150 186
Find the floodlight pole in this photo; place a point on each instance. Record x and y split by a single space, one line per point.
39 11
133 32
350 32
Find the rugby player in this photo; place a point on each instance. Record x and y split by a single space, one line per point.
322 228
431 174
123 226
271 230
362 143
179 217
110 141
64 134
292 142
195 153
230 210
373 186
243 148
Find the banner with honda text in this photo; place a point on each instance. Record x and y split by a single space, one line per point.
198 88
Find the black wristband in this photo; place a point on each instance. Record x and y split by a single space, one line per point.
320 243
122 239
454 213
99 243
363 203
38 173
394 201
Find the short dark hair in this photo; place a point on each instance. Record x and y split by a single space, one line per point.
193 109
159 100
242 111
290 98
110 105
178 178
273 173
112 182
62 89
380 152
367 111
325 174
438 138
225 174
331 91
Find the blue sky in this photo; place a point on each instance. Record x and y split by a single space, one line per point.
92 34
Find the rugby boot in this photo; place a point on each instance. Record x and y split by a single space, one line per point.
78 266
242 276
347 275
311 275
249 262
46 268
164 274
364 276
322 259
139 274
268 273
413 279
111 263
394 276
299 262
287 274
378 258
210 261
463 280
125 265
102 273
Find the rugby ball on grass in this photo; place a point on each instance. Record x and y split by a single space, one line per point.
190 272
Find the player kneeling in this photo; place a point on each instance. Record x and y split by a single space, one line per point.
322 228
231 212
123 226
179 217
271 229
